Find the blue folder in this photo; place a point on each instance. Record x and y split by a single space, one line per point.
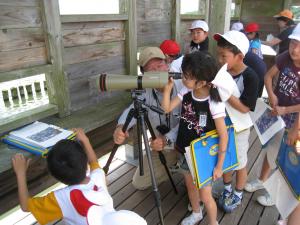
205 155
288 162
30 148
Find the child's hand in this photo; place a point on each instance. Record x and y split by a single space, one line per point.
279 110
168 87
20 164
80 135
292 136
273 100
217 173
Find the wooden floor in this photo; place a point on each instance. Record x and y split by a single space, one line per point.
175 206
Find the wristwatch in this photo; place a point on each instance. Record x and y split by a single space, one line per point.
168 141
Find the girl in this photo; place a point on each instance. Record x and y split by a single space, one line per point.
202 111
251 31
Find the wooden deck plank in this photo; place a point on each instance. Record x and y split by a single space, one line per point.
269 216
121 182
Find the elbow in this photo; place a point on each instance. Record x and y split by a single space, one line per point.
24 208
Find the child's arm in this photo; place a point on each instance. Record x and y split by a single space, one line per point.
237 104
80 136
281 110
223 140
268 83
20 165
167 104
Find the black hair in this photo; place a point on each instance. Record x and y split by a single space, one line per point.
203 67
67 162
223 43
288 21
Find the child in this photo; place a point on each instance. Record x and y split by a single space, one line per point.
238 26
232 48
171 50
85 196
201 112
284 99
251 31
199 33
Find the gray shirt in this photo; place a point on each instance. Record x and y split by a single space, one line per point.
154 117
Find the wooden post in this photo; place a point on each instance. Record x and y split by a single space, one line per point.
207 10
56 80
129 6
175 21
287 4
219 20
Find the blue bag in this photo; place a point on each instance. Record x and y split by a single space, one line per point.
204 151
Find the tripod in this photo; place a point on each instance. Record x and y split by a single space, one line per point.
141 114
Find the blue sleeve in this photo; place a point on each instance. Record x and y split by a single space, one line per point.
255 44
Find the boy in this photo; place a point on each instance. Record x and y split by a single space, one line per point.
232 48
77 203
171 50
199 33
284 100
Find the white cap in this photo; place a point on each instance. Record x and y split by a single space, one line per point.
296 33
199 24
238 26
236 38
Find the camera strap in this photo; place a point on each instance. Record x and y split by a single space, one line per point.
168 119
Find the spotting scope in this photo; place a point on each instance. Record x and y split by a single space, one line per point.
108 82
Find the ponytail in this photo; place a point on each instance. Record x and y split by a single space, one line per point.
214 93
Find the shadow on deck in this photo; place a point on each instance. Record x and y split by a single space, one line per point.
175 206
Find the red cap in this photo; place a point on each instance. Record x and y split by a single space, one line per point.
251 27
170 47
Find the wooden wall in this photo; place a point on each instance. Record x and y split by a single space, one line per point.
22 39
153 22
91 48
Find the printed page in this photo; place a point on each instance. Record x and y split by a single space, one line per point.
40 134
265 124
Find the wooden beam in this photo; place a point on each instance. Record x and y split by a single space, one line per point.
219 20
192 17
57 80
175 21
131 38
92 18
18 74
287 4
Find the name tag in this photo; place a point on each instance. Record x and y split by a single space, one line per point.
202 119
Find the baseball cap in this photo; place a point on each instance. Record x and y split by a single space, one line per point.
199 24
150 53
238 26
235 38
251 27
170 47
296 33
285 13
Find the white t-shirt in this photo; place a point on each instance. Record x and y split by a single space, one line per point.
175 65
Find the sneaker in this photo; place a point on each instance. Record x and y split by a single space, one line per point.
254 185
265 200
192 219
224 195
190 206
231 203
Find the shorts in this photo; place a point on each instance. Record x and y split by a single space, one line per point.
242 146
184 168
272 148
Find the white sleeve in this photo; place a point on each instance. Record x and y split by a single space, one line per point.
217 109
98 176
182 92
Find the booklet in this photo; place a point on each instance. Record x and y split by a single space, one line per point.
265 124
37 137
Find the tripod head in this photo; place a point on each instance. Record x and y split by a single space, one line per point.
136 95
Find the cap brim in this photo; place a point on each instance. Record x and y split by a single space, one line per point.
294 37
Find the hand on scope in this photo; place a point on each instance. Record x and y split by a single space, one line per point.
168 87
158 144
119 135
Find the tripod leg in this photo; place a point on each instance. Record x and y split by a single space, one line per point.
141 120
140 147
162 157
